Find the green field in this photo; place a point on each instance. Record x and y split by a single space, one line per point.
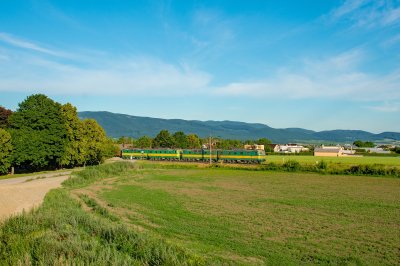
242 217
343 160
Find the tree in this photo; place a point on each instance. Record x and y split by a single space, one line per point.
367 144
180 140
193 141
396 149
38 132
109 148
75 150
95 136
144 142
268 148
263 141
248 142
164 140
5 151
4 115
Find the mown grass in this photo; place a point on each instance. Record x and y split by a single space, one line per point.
341 160
60 232
323 167
242 217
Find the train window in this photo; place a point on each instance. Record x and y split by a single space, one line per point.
241 153
229 153
222 152
248 153
190 152
234 153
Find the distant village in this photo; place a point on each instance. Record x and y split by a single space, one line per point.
333 151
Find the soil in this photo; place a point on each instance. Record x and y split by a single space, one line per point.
17 195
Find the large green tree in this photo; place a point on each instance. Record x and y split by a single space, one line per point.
76 148
38 132
5 151
193 141
180 140
263 141
164 140
144 142
367 144
96 151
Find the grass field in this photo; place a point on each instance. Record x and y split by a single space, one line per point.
343 160
242 217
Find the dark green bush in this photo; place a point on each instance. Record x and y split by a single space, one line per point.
292 166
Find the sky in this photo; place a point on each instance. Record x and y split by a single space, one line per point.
319 65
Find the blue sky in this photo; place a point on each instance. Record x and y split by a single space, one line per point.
320 65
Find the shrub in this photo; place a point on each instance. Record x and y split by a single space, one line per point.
292 166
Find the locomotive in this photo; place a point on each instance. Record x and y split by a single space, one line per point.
196 155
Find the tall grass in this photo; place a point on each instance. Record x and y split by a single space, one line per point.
95 173
60 232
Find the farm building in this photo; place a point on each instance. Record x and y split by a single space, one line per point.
254 147
332 151
275 147
291 147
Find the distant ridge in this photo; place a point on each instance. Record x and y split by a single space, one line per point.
117 125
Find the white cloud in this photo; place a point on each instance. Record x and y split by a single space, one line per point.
126 76
334 78
387 108
366 13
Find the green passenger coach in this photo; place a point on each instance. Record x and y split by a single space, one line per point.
195 155
164 154
134 153
241 156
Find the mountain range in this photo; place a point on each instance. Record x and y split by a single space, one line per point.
117 125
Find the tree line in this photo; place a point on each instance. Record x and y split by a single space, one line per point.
179 140
44 134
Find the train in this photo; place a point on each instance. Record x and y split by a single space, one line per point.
196 155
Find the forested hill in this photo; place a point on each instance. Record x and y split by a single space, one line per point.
117 125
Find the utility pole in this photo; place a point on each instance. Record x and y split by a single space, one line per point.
210 149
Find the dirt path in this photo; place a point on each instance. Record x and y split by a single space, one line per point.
16 195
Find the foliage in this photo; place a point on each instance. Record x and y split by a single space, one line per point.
5 151
4 115
323 165
248 142
193 141
145 142
109 148
263 141
38 133
292 166
366 144
92 174
396 150
95 136
180 140
268 148
77 146
164 140
60 232
229 144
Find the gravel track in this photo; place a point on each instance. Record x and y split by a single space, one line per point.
17 195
